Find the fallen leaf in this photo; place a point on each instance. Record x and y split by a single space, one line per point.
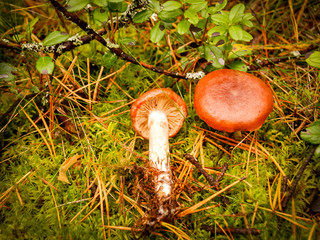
65 166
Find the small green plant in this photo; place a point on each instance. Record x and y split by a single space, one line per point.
214 30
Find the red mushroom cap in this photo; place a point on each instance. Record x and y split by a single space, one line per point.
230 100
162 99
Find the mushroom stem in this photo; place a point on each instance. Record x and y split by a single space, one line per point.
157 115
159 153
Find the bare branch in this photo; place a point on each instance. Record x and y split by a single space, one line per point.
111 46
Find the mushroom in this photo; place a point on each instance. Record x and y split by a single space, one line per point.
157 115
230 100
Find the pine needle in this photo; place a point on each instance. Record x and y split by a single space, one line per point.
40 132
225 233
194 207
56 207
19 197
180 234
313 229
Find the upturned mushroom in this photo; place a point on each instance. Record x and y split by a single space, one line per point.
230 100
157 115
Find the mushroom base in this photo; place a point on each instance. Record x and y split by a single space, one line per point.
163 210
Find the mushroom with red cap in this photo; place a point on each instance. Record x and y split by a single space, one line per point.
230 100
157 115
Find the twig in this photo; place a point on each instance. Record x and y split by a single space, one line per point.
242 231
297 179
132 9
224 169
284 185
111 46
4 43
271 62
209 178
69 45
49 184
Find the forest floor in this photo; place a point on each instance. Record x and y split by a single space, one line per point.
72 167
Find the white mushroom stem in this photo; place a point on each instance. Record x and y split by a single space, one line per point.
159 152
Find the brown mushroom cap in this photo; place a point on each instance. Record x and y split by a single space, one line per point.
162 99
230 100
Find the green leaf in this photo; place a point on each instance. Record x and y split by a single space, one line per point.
100 3
183 27
218 7
154 5
239 53
100 16
237 33
170 16
108 60
127 41
194 1
55 38
313 59
312 133
238 65
76 5
45 65
192 17
237 19
32 23
157 32
247 16
118 6
18 37
171 5
236 10
197 7
142 16
214 55
30 26
217 31
247 37
219 41
220 18
6 70
247 23
228 47
205 13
